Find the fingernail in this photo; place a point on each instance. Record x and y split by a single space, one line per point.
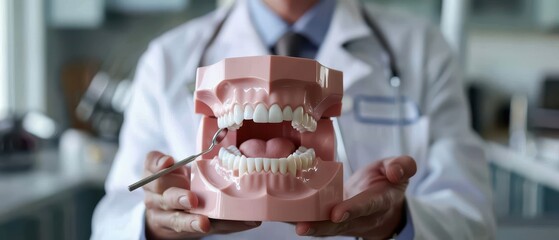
196 226
183 200
161 160
310 231
344 217
251 223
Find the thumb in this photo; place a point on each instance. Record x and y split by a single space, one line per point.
399 169
156 161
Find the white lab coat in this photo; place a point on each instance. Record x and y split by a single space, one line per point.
450 196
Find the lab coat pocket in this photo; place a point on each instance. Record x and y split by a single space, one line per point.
374 129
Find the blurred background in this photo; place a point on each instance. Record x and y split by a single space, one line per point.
66 67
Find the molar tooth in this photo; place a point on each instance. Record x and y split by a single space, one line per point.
275 115
291 166
287 114
312 153
242 165
283 165
249 111
221 152
300 150
258 164
274 165
313 126
234 150
250 165
238 114
266 164
260 114
297 116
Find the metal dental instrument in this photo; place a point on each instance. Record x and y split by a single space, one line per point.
216 139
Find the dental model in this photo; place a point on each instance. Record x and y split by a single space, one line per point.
277 163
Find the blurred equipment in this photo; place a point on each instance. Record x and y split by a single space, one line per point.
103 104
20 137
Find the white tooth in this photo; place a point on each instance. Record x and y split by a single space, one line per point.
266 162
283 165
260 114
242 165
221 152
258 164
249 111
312 153
309 160
274 165
220 122
250 165
305 121
224 161
313 126
304 162
287 114
230 162
298 162
236 163
234 150
275 115
230 119
302 149
291 166
238 114
297 116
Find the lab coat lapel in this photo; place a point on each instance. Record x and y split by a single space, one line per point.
347 25
237 38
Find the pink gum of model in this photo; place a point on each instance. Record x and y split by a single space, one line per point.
262 98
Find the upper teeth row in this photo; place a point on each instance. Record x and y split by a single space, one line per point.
233 118
232 159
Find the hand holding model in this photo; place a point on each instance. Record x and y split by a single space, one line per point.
168 201
374 208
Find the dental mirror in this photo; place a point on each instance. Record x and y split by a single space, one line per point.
216 139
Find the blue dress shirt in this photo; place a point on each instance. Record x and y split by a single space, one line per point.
313 25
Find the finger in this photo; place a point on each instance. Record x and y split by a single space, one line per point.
167 181
172 199
323 228
156 161
227 226
179 221
399 169
364 204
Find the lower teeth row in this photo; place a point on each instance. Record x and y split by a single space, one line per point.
232 159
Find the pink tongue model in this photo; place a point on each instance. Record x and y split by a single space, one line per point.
274 148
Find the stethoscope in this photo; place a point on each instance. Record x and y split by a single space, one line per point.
394 80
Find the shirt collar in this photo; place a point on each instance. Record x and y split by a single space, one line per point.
313 24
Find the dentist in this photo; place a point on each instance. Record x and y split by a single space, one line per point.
436 188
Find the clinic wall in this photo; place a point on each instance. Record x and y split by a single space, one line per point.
511 62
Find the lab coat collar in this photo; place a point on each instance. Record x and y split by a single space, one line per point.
347 25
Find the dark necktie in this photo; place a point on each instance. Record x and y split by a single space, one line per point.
290 44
